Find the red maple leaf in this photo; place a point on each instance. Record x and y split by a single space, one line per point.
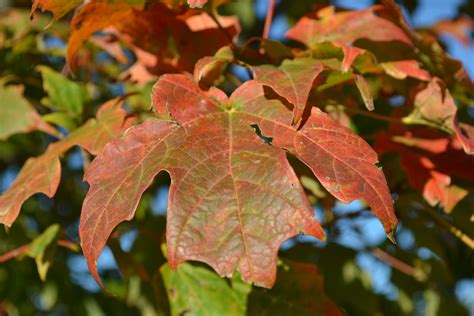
234 198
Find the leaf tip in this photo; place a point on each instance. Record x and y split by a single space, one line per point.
323 237
95 274
296 119
391 237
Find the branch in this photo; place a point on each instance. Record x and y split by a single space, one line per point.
268 19
451 227
23 249
399 265
14 253
223 30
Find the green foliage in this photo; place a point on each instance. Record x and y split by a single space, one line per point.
42 249
65 97
197 291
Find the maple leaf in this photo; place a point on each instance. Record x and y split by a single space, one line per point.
344 28
185 32
430 161
465 134
202 291
17 115
92 17
202 3
59 8
42 249
234 198
365 91
64 95
149 33
453 70
305 282
434 106
208 69
42 174
197 3
292 80
110 44
459 28
405 68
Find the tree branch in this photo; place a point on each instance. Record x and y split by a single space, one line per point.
399 265
223 30
14 253
451 227
268 19
23 249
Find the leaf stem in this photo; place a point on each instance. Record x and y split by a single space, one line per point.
268 19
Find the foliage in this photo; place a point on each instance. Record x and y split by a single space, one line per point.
250 136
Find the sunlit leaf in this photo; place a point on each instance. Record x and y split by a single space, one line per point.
196 290
64 95
208 69
59 8
461 28
405 68
365 91
292 80
434 106
17 115
42 249
94 16
42 174
233 198
197 3
344 28
430 161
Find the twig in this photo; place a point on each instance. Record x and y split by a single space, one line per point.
13 253
451 227
223 30
68 245
396 263
268 19
228 36
23 249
